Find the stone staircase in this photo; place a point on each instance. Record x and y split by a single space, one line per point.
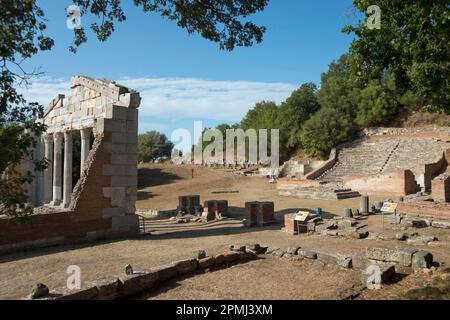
365 157
328 191
413 152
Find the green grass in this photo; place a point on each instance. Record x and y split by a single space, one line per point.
438 289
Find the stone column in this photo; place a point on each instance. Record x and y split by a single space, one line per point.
57 166
68 156
85 146
48 174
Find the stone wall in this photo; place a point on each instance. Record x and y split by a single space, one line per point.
441 188
102 204
400 183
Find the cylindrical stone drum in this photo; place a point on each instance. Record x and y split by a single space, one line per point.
364 204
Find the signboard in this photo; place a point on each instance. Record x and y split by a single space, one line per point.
301 216
389 207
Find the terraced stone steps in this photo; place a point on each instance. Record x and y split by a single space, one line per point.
365 157
317 193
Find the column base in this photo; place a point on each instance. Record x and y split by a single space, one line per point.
55 203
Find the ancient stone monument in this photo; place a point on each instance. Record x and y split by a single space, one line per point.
102 203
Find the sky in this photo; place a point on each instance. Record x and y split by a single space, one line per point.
183 78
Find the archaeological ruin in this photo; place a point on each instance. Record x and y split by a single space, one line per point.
396 161
101 203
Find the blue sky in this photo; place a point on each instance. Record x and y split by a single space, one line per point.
183 77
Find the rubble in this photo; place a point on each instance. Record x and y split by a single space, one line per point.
421 240
39 291
421 260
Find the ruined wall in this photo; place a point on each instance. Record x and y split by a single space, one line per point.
399 183
441 188
102 204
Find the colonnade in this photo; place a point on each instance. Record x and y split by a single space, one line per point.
58 175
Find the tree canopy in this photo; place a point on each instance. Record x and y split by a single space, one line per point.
22 35
154 145
413 44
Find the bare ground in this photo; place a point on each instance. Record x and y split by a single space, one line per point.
160 186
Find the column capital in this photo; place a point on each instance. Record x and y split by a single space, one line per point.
48 138
85 133
57 137
67 134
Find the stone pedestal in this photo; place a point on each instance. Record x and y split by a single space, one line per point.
441 188
260 214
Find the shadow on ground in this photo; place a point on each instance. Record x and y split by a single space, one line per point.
155 177
145 195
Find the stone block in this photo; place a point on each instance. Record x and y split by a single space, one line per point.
132 114
123 181
290 225
115 169
131 148
129 222
360 261
186 266
440 188
293 250
421 260
117 137
116 112
127 159
421 240
131 285
132 126
117 196
115 147
110 125
417 223
230 257
90 293
113 212
308 254
243 256
396 255
219 259
107 287
165 272
39 291
441 224
251 209
332 258
387 273
238 247
265 214
206 262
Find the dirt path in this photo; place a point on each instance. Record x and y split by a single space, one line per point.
256 280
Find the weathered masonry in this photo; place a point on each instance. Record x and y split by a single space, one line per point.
102 203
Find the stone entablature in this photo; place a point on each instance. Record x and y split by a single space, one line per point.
89 101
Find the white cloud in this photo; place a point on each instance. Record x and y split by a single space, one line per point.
45 89
178 98
197 98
